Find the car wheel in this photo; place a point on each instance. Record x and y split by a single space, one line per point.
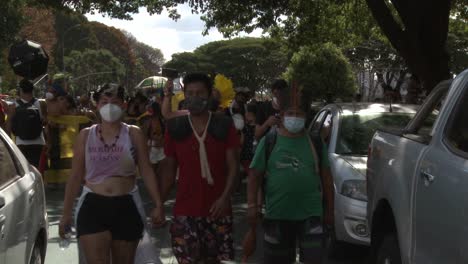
389 250
36 256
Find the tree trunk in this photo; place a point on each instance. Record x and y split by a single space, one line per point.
421 42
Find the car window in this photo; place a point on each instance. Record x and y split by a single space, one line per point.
457 133
356 130
428 124
315 126
421 127
325 130
7 165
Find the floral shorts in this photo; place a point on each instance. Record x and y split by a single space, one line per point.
196 239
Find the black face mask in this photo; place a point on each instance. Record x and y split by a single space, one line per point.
196 105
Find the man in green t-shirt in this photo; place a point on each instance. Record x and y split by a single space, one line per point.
298 191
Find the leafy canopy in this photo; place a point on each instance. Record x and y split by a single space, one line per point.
323 72
249 62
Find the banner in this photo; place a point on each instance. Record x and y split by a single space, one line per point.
63 131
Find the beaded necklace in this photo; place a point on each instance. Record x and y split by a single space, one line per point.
104 142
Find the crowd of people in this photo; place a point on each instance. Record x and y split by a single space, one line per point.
199 147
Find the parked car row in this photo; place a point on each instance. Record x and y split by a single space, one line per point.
400 176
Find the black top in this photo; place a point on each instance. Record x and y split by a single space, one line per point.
247 152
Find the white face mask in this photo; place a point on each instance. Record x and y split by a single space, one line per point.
294 124
239 122
49 96
111 112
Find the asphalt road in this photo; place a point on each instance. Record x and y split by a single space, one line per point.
160 240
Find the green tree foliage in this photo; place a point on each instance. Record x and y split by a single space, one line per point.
114 40
150 58
91 68
323 72
457 45
73 33
190 62
417 29
250 62
10 21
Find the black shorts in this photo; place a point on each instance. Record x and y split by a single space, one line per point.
116 214
281 238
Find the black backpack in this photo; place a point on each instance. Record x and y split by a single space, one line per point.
27 122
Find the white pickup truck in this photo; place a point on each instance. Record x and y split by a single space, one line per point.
417 183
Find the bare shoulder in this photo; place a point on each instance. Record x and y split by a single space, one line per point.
135 131
84 133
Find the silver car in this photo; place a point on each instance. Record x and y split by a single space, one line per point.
23 215
347 129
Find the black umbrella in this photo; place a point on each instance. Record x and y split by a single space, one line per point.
28 59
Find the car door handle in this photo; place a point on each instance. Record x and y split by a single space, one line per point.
428 178
31 195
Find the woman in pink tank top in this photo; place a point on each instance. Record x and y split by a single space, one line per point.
106 157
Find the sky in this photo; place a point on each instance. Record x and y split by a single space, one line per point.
162 32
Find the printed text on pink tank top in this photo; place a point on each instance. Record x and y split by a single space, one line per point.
105 153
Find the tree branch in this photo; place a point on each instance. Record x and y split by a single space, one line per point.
402 8
389 26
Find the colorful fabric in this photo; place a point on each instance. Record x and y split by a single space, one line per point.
197 239
292 185
194 195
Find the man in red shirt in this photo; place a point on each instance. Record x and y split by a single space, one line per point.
204 146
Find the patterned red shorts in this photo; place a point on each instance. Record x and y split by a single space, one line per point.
197 239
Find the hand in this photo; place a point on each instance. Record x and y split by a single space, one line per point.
65 223
252 215
158 217
168 88
219 207
272 121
